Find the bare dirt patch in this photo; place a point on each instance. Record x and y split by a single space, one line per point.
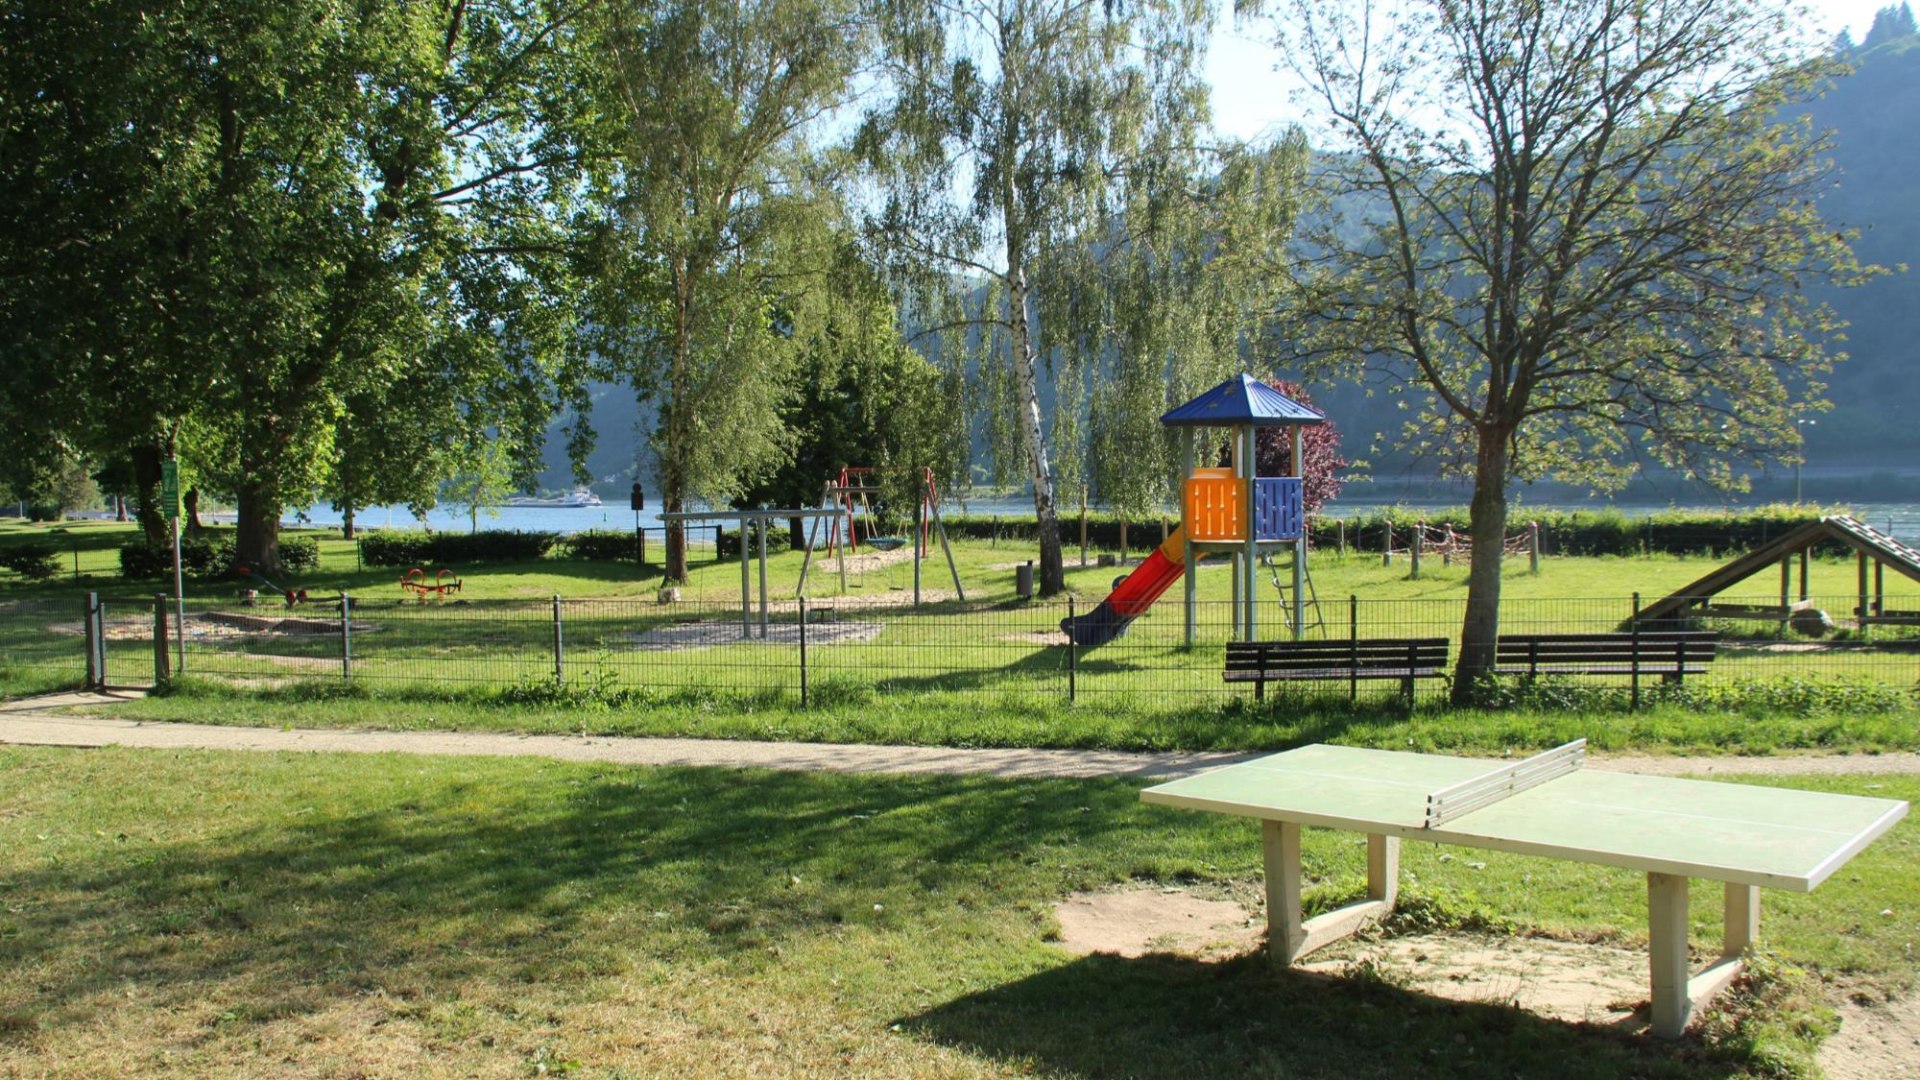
1877 1040
1135 922
1036 637
1562 980
711 632
220 625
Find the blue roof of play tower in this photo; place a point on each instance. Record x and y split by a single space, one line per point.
1242 400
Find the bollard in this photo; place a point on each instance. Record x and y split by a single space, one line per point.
161 675
1023 580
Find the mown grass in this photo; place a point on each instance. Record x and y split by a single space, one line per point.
1765 723
195 913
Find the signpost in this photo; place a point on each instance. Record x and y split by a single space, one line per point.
170 505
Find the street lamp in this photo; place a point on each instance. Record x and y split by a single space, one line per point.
1800 425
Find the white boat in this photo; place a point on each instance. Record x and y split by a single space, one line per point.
578 499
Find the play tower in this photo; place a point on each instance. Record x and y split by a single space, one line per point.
1227 511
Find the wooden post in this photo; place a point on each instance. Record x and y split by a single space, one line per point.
1386 549
1280 843
1073 656
1803 573
559 645
1083 524
1343 537
1863 614
1879 587
919 524
92 626
1786 586
1419 545
161 674
1533 548
1635 624
1123 539
346 637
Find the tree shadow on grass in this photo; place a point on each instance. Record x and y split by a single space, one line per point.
1165 1017
502 873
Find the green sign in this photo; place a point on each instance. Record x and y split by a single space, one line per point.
170 488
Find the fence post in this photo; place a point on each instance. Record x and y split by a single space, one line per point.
1073 655
100 637
1635 624
559 646
1386 549
161 674
92 625
803 652
1343 538
346 637
1419 542
1533 548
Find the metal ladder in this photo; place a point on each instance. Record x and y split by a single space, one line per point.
1310 615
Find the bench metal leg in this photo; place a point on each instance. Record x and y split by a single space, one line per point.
1288 936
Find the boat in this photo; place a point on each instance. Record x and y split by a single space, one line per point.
578 499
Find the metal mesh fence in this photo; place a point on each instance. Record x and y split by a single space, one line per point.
854 649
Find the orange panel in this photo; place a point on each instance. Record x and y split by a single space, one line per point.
1214 505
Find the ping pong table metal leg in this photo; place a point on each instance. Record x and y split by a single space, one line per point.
1288 937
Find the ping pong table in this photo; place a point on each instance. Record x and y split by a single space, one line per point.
1548 805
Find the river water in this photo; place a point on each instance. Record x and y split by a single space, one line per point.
1902 520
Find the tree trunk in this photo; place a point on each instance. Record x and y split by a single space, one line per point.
346 523
146 484
1488 524
1052 571
191 512
256 541
119 507
796 534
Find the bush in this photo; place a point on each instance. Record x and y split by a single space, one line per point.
444 549
35 562
600 546
778 540
299 553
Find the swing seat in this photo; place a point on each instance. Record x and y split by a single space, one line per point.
885 543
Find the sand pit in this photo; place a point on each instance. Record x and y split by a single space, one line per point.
709 633
221 626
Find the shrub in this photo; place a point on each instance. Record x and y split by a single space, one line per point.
600 546
778 540
299 553
444 549
35 562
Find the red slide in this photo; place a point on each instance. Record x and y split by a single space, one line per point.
1134 595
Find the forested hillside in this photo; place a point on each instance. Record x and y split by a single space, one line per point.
1874 115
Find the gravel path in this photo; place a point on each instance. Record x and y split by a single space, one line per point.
47 721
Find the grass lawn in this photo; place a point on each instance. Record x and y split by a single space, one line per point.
187 914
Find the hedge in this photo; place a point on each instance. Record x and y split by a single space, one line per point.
451 549
600 545
1562 532
211 557
36 562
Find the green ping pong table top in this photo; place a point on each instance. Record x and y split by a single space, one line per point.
1737 833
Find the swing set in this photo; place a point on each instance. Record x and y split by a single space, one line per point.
853 522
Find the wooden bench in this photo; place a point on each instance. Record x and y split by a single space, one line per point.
1671 654
1405 659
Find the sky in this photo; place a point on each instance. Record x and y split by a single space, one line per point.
1251 99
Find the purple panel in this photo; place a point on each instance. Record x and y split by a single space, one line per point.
1276 508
